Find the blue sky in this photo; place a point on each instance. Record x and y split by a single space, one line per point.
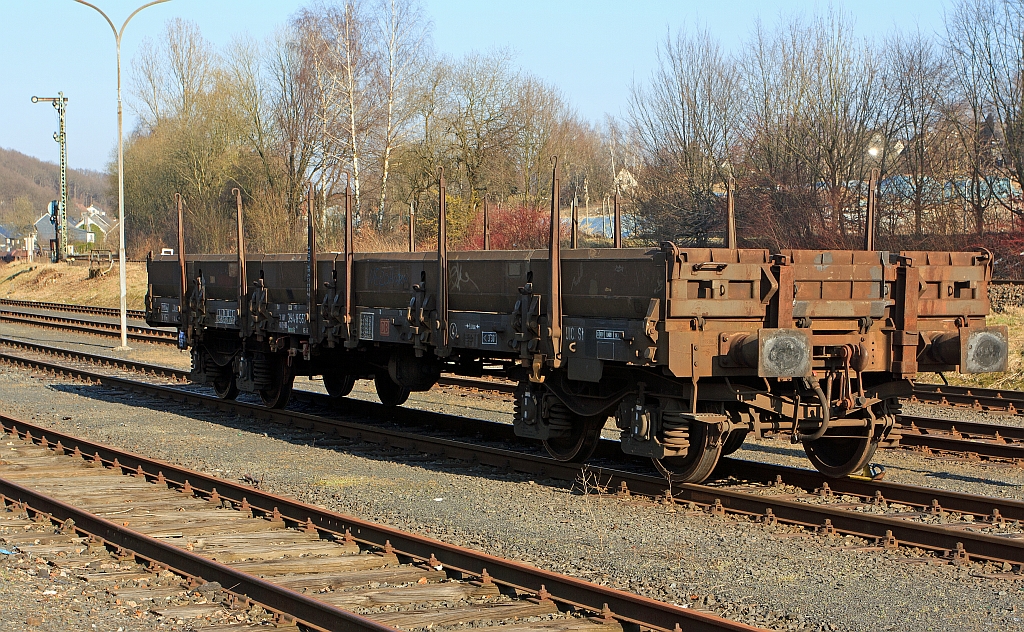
592 50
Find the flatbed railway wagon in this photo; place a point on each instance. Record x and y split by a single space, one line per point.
689 350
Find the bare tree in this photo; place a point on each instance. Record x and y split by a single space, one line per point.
482 117
843 115
915 82
334 38
968 45
684 122
402 38
181 87
991 33
538 105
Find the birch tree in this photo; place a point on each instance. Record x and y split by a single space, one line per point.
402 38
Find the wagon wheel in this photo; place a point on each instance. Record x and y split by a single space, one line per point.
338 385
277 395
837 456
700 459
584 436
734 441
225 387
390 393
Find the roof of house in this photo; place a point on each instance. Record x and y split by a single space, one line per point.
45 232
93 216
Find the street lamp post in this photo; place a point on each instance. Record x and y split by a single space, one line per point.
120 168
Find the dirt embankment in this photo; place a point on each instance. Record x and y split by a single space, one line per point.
63 283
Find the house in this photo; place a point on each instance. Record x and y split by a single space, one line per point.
96 221
10 239
79 240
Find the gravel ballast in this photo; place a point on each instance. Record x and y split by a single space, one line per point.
774 576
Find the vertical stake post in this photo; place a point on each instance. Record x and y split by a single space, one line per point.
441 346
555 259
243 286
730 218
351 339
412 227
617 237
311 282
487 228
574 225
869 229
183 281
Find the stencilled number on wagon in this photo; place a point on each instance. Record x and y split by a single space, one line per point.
366 326
573 334
225 317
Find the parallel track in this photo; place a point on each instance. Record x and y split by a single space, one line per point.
858 507
86 325
534 591
993 441
980 399
91 310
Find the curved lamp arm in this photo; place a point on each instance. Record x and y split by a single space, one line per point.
118 34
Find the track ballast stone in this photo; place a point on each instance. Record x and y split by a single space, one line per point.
773 576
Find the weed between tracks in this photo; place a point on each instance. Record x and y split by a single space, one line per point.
588 483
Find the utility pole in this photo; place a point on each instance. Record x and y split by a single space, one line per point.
60 104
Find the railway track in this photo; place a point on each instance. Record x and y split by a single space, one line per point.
90 310
267 549
993 441
952 525
977 398
980 399
41 316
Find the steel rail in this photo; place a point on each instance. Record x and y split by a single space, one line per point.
310 611
92 310
148 334
570 591
973 429
979 398
922 497
960 446
971 397
178 375
870 526
992 441
911 437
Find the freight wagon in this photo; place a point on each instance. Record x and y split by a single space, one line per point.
688 350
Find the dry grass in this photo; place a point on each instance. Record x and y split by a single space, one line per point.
62 283
1013 379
